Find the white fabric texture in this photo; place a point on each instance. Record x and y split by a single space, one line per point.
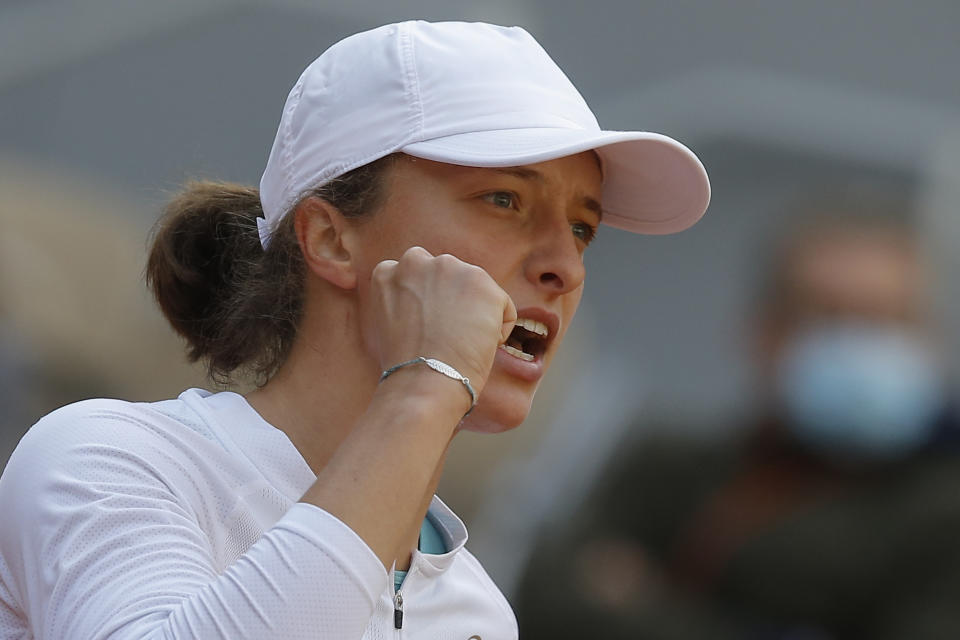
179 519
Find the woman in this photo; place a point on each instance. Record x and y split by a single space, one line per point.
407 269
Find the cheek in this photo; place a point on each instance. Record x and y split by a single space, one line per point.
390 241
570 305
365 314
568 310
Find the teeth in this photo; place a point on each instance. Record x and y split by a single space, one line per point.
517 353
533 325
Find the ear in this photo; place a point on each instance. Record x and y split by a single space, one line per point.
320 229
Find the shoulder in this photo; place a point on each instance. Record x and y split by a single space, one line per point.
87 423
102 443
85 426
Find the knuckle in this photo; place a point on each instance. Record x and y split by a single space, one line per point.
416 253
414 259
447 261
383 270
479 277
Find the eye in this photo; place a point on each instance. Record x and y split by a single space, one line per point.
502 199
584 231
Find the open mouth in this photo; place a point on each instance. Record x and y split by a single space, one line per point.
528 340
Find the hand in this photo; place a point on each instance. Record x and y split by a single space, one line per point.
440 307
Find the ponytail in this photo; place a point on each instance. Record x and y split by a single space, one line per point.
237 305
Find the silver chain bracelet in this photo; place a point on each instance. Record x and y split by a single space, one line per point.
439 367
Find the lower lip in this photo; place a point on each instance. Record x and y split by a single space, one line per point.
530 371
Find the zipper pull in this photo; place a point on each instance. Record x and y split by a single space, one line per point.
398 611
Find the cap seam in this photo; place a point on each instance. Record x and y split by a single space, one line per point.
339 170
411 85
288 133
498 152
286 160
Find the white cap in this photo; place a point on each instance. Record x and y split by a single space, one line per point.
469 94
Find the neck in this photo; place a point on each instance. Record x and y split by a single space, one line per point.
323 388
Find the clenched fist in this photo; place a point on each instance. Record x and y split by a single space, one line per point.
439 307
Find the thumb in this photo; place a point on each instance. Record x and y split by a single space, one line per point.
509 319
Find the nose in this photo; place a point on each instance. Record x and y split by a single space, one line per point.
555 265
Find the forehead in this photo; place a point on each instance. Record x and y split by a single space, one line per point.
579 172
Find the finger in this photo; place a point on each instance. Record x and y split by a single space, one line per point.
386 264
418 251
509 318
382 270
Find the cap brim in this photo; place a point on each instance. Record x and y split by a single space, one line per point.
652 183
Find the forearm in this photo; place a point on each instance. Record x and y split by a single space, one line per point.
377 481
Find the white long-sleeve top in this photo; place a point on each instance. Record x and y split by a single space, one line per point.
179 519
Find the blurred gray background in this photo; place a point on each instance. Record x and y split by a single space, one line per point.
106 106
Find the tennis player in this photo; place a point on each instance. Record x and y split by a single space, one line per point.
408 268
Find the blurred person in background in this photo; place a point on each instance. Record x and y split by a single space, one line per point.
834 515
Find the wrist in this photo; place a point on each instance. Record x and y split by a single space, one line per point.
419 388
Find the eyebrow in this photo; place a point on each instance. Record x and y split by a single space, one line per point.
530 174
521 172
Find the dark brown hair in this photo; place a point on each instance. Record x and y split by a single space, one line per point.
238 305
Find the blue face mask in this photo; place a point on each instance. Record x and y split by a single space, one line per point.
859 391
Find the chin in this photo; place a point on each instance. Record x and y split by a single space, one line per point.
500 408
